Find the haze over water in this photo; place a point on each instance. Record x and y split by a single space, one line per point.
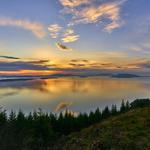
73 93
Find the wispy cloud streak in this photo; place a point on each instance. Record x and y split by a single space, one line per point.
69 36
36 28
73 3
9 57
54 30
92 13
63 47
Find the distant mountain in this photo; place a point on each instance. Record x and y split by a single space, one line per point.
31 77
124 75
16 78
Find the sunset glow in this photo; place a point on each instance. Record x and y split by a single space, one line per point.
73 35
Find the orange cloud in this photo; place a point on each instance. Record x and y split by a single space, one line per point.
96 14
73 3
29 72
63 47
54 30
63 105
70 38
36 28
112 26
69 32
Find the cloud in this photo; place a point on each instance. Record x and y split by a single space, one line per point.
66 37
69 32
109 65
70 38
78 60
135 48
63 47
94 65
107 13
54 30
144 64
9 57
39 61
79 63
63 105
103 65
73 3
141 47
140 64
36 28
114 25
21 65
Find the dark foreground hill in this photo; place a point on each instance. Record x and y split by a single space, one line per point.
127 128
127 131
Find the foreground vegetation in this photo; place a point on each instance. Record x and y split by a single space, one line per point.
128 131
126 128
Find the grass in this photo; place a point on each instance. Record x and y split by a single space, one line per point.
128 131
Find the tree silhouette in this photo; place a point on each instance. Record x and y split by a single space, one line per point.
39 130
123 107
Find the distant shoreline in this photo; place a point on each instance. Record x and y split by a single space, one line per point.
25 78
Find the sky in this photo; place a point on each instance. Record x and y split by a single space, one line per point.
74 36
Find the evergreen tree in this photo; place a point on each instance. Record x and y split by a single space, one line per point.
106 113
3 117
12 116
123 107
114 110
127 105
40 130
98 115
91 117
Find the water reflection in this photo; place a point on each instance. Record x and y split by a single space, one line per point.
82 94
36 84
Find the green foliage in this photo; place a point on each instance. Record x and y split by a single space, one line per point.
140 103
40 131
114 110
127 131
123 107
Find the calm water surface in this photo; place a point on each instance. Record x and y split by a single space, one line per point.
75 94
